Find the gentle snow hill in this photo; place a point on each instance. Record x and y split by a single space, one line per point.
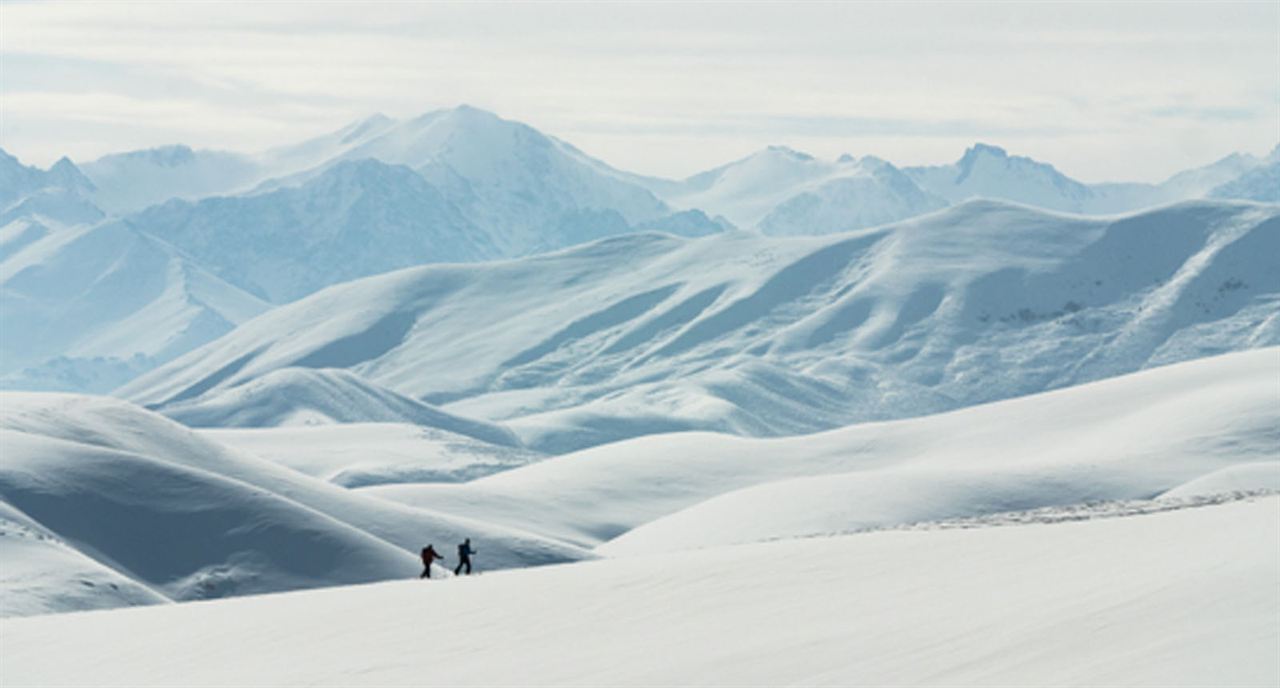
98 472
768 336
362 454
90 306
304 396
1180 598
174 531
42 574
1131 437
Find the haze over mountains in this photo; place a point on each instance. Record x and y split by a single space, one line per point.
456 325
238 233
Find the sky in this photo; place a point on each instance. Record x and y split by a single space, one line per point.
1104 91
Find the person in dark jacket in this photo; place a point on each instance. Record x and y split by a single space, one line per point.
429 554
464 557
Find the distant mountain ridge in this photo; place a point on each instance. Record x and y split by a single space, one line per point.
453 185
758 335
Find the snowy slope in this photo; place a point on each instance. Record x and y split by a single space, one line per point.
90 306
1181 598
190 518
761 336
362 454
304 396
1129 437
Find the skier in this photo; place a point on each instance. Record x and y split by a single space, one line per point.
429 554
464 557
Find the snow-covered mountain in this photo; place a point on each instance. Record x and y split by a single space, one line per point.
761 336
1260 182
783 191
484 188
130 181
90 306
60 195
356 219
986 171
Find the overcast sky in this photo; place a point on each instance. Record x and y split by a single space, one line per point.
1104 91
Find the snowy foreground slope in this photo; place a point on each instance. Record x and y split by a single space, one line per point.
108 484
1186 597
756 335
1133 437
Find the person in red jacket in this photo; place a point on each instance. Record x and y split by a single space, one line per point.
429 554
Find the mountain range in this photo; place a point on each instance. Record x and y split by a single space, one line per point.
196 242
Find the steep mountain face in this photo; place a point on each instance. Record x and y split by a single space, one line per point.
58 195
989 172
761 336
1260 182
356 219
88 307
18 180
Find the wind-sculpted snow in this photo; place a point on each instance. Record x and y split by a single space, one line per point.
187 518
303 396
1131 437
364 454
766 336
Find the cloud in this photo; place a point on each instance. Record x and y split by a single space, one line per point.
902 79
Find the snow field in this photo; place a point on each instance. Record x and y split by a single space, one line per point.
1179 598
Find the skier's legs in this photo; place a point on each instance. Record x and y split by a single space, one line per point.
468 567
426 572
459 569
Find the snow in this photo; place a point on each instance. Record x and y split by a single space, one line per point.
188 518
1130 437
781 191
1180 598
106 292
303 396
362 454
767 336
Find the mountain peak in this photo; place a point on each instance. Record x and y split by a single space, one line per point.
64 173
787 151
